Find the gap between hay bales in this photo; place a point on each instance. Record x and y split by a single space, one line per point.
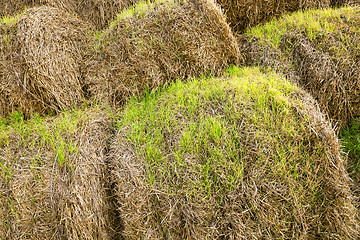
247 156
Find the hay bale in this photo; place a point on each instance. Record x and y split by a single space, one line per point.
53 183
322 56
242 14
246 156
43 55
13 7
151 45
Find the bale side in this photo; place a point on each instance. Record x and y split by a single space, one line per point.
7 88
13 7
43 57
154 44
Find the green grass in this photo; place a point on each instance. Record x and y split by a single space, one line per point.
137 10
350 137
10 20
46 135
55 135
259 101
314 22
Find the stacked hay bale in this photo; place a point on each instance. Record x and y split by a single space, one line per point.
151 45
53 183
318 50
247 156
42 54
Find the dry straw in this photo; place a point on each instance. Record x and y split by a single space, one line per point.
153 44
168 188
334 82
42 54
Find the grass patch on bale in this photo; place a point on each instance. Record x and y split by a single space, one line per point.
319 50
245 156
41 53
152 44
53 180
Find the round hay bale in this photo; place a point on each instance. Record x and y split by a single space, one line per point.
242 14
44 55
246 156
53 183
322 57
151 45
